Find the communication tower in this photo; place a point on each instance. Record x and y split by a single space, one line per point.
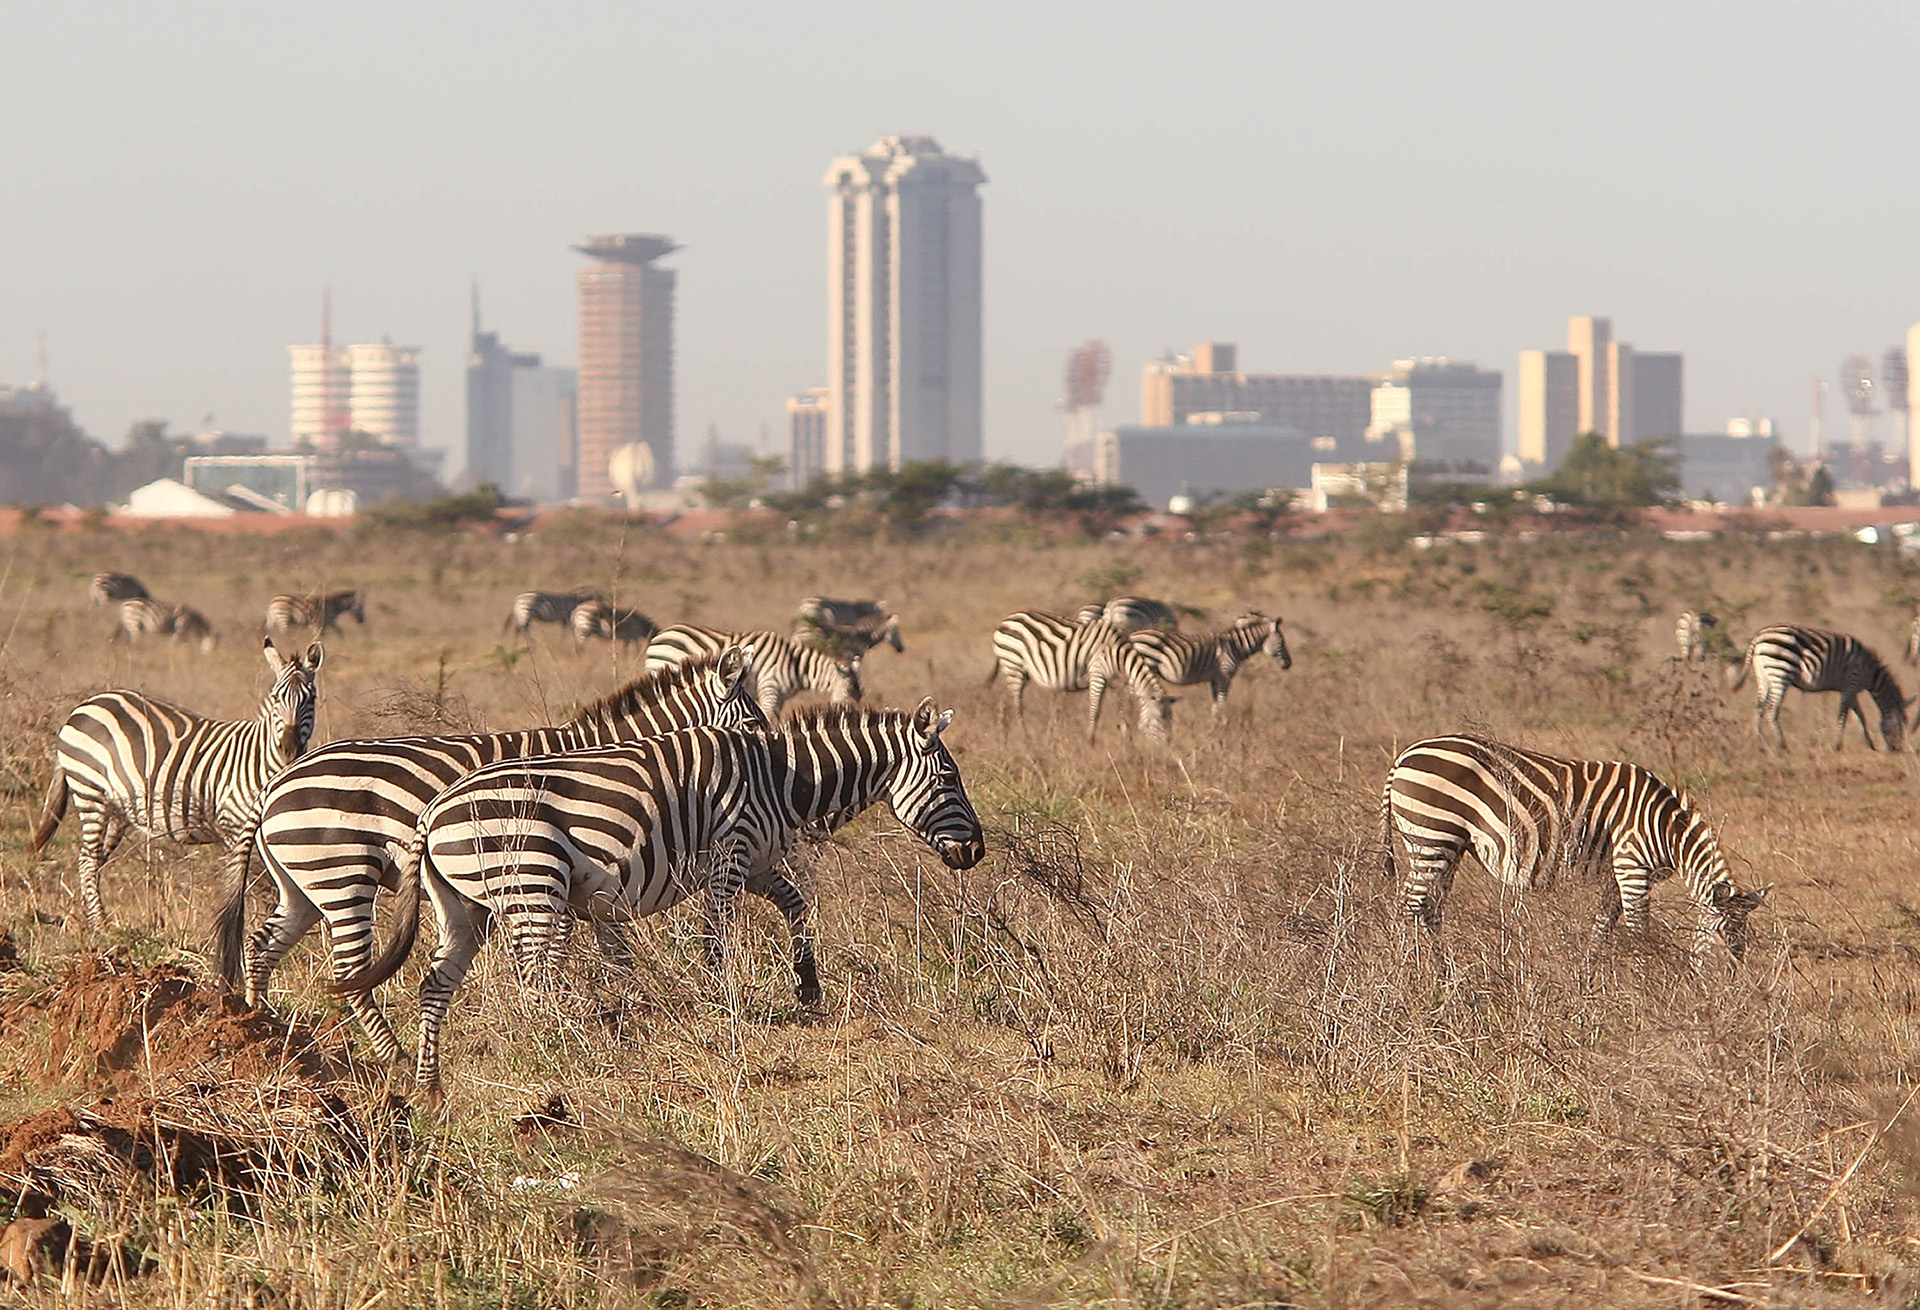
1088 369
1856 380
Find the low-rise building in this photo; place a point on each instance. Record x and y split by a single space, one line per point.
1198 459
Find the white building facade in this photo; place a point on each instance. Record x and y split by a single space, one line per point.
1443 412
368 388
903 306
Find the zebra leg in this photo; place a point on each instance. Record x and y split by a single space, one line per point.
101 832
1096 694
1603 924
1633 884
725 880
1429 878
462 928
1849 706
1220 688
271 941
1016 695
1770 709
775 886
350 943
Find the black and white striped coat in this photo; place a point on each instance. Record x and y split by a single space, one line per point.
1529 817
1129 613
160 618
329 829
1054 653
1152 659
1816 660
782 669
845 627
531 607
626 831
598 620
127 762
1691 633
319 611
116 586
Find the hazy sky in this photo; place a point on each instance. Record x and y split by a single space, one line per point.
1329 185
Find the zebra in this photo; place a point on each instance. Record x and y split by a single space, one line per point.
328 828
321 610
117 586
626 831
1056 653
127 761
845 627
1692 633
531 607
159 618
1528 816
1913 641
1130 612
1815 660
782 669
1152 659
598 619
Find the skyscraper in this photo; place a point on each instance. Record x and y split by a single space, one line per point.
903 306
626 358
1445 412
384 393
806 436
320 388
1625 395
1549 406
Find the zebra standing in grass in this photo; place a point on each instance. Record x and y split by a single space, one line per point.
845 627
1153 659
116 586
1528 817
626 831
782 669
1692 633
322 611
1054 653
531 607
127 761
1815 660
598 620
159 618
329 828
1129 613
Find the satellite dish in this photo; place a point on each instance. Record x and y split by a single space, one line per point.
630 469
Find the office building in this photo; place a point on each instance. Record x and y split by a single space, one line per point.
520 427
320 395
1208 381
1625 395
1913 402
1443 414
903 306
1199 459
1729 467
383 396
625 384
807 421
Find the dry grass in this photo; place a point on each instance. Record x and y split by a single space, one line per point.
1167 1046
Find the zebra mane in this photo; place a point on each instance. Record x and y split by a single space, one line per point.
643 689
839 715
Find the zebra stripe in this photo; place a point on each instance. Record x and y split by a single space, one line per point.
329 828
116 586
1528 817
781 669
1815 660
1128 613
845 628
597 619
531 607
1691 635
626 831
1153 659
319 611
1054 653
159 618
128 762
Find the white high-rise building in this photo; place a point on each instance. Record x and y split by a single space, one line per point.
384 393
320 394
1444 412
903 306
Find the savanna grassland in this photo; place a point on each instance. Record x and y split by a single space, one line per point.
1167 1046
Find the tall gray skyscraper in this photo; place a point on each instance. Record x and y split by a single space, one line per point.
903 306
520 426
1599 385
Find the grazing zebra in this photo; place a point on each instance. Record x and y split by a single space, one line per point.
845 628
531 607
116 586
320 610
1055 653
1692 633
1130 612
826 612
626 831
130 762
1815 660
597 619
159 618
330 827
781 668
1153 659
1528 817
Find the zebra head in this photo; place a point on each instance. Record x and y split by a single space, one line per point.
288 710
1275 644
1725 914
926 794
842 681
890 633
732 685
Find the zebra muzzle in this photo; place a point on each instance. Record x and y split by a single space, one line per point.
962 854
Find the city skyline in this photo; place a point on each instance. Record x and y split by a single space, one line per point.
1716 243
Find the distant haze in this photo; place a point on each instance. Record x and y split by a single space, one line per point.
1330 186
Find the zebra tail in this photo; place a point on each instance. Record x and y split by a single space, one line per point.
1738 678
405 930
1387 866
993 674
54 811
230 925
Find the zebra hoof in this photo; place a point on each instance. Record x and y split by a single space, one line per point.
809 989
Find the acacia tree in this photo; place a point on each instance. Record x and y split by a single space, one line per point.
1604 476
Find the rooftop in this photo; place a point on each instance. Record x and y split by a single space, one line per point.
628 247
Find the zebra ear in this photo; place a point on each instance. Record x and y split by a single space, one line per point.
733 664
315 653
275 660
